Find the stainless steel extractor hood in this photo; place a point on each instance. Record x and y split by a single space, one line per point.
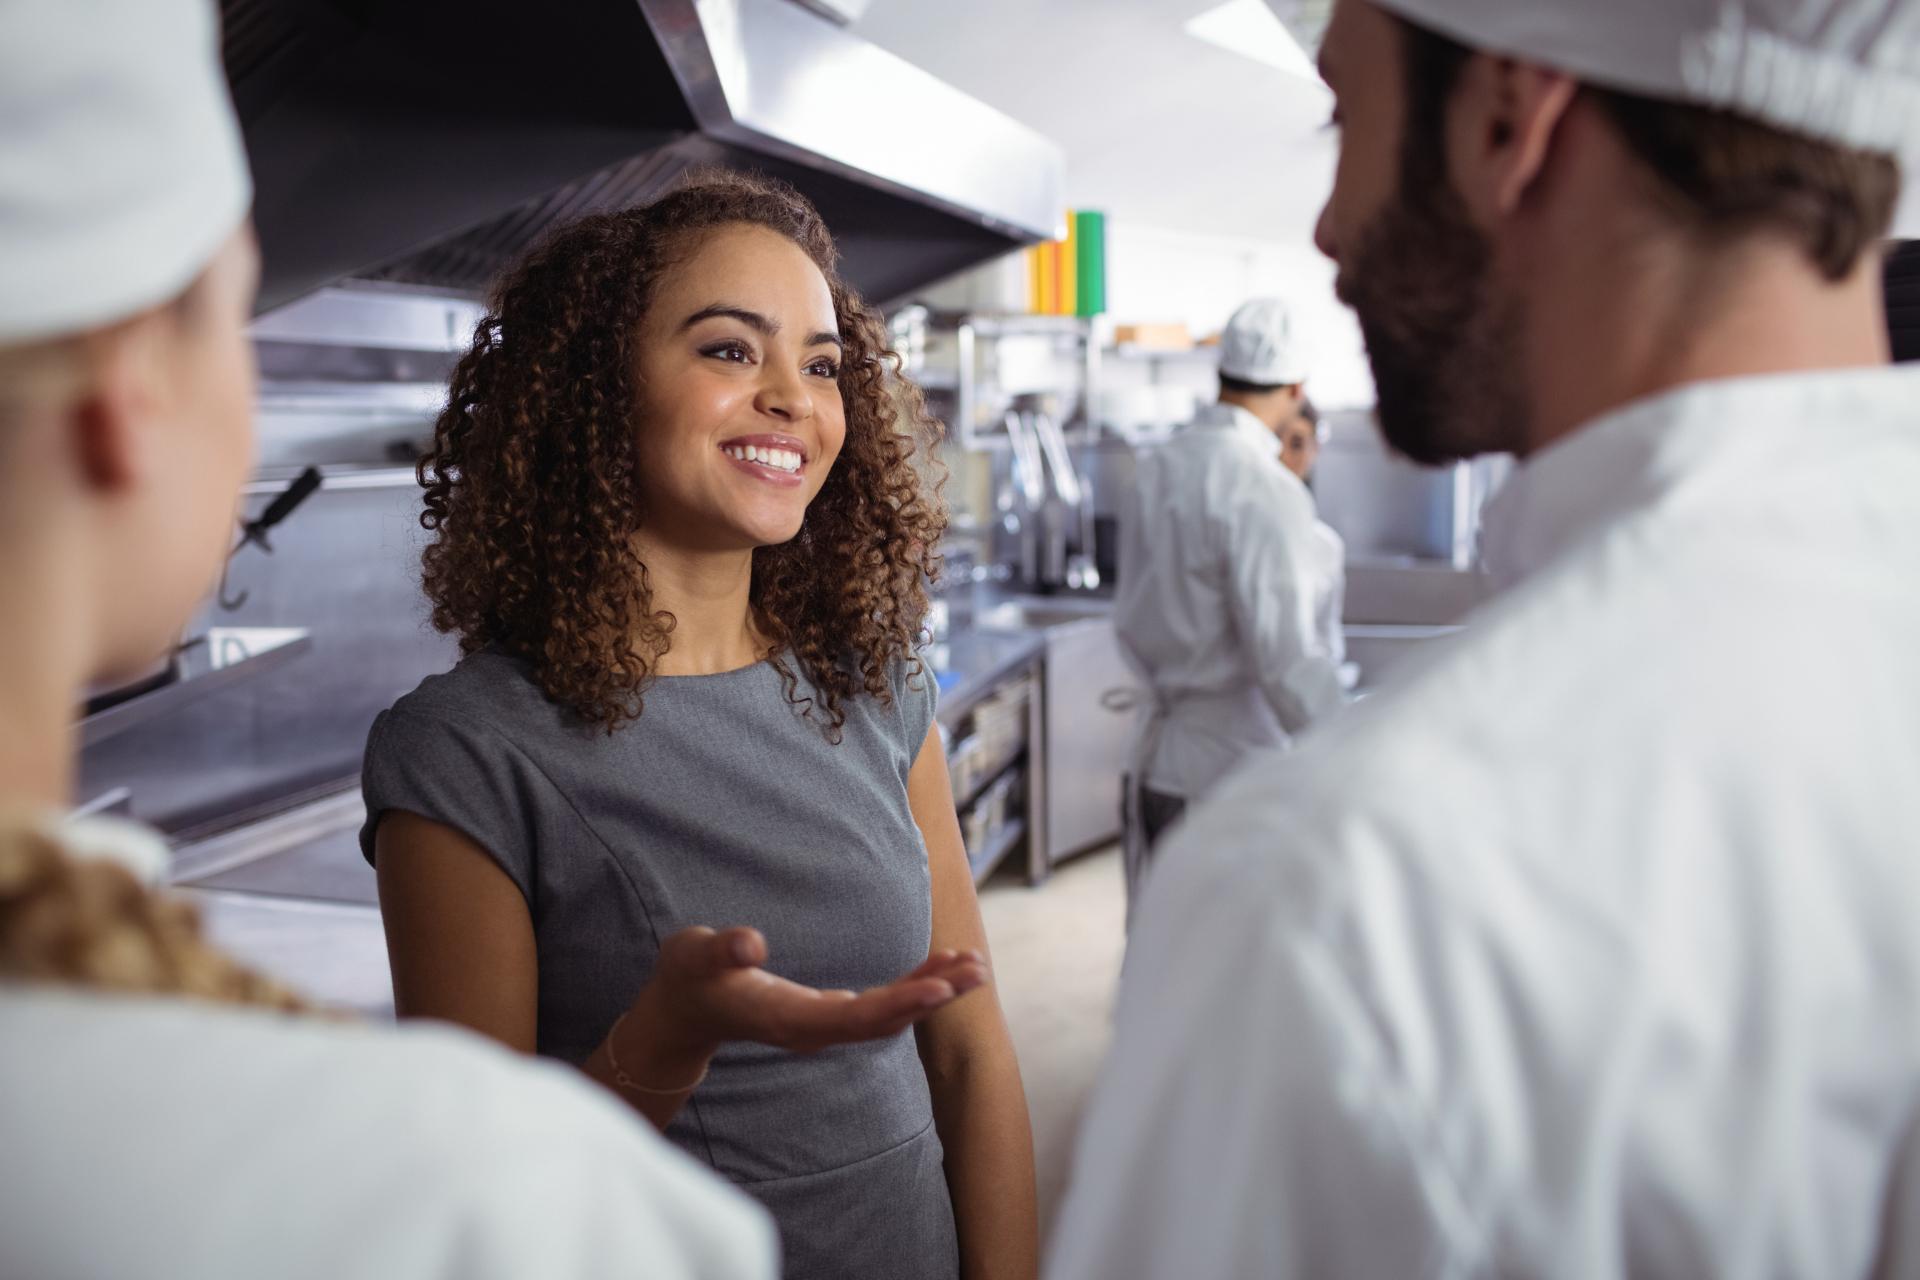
427 142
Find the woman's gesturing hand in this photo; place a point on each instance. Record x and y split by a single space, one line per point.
708 988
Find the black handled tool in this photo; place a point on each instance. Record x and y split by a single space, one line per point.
255 530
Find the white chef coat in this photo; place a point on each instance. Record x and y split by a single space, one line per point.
1224 581
171 1138
1591 947
1330 593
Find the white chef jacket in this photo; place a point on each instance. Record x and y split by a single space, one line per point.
1591 947
1330 592
1224 581
171 1138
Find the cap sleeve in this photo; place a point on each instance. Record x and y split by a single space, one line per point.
463 776
916 695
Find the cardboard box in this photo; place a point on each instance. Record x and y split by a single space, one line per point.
1160 337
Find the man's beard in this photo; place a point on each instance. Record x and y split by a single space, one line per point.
1444 346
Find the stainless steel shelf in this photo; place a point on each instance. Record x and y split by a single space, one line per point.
997 849
1001 324
973 661
1130 351
223 657
979 789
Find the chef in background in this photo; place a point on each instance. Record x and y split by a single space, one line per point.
1223 578
1300 444
1588 948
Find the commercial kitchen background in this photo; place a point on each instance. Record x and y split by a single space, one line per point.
404 157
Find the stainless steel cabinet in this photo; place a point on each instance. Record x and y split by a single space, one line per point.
1087 746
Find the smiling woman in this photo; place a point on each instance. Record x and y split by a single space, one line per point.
680 535
543 503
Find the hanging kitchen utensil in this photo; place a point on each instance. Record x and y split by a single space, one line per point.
255 531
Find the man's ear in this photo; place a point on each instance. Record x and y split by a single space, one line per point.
1507 115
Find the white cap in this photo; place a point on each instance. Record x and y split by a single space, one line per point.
1843 71
121 166
1261 347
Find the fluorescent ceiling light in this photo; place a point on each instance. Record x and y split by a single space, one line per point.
1249 28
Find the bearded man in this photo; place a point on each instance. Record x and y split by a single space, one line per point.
1590 948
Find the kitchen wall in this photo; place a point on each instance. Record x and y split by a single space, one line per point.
1160 275
1156 275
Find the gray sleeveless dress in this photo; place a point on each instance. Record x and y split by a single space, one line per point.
720 806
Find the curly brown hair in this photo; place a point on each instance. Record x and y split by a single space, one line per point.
533 493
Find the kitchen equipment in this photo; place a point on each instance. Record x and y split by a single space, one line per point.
254 532
206 664
1085 738
254 738
364 167
996 736
1047 528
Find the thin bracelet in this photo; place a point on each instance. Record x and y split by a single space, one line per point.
625 1081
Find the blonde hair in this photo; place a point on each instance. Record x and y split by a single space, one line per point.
90 923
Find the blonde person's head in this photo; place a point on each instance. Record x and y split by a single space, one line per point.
127 277
122 452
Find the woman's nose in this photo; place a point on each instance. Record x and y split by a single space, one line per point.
785 396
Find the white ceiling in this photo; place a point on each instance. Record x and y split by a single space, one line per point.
1159 128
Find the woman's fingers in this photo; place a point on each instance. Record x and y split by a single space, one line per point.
744 948
719 970
872 1016
934 962
967 976
700 952
940 961
803 1018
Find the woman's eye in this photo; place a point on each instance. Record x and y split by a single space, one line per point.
824 369
731 351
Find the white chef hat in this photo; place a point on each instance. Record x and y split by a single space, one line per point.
121 165
1843 71
1260 345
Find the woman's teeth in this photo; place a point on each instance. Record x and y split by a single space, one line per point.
779 459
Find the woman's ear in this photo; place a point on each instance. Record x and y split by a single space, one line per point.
103 442
104 421
110 418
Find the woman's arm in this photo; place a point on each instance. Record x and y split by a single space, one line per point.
979 1104
461 945
459 936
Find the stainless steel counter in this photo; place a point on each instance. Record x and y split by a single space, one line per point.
1080 739
973 662
215 660
1411 592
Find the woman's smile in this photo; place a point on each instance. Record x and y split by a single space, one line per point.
778 460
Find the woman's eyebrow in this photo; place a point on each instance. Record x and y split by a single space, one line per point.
765 325
752 319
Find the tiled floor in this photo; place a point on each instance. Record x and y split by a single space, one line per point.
1056 957
1056 952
